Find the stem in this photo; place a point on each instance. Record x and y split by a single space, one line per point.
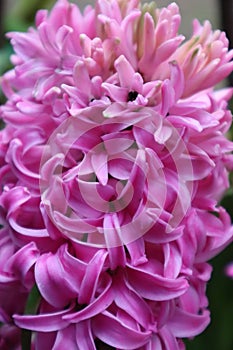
30 309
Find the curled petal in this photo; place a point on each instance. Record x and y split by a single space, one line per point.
184 324
127 299
22 261
132 338
98 305
84 336
156 287
43 322
91 277
53 274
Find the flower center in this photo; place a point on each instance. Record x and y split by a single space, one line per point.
132 95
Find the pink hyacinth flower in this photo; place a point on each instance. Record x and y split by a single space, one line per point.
114 159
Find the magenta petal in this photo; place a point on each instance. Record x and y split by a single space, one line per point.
116 256
97 306
49 271
156 287
91 277
22 261
66 338
43 322
154 343
127 319
114 158
168 339
114 244
127 299
136 250
84 336
27 231
184 324
115 329
172 261
54 277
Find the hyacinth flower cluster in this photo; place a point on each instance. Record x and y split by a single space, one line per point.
114 158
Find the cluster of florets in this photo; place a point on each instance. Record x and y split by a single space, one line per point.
113 161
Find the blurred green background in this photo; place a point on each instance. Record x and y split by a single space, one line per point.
19 14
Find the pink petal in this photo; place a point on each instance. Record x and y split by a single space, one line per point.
132 339
97 306
127 299
43 322
185 325
156 287
91 277
84 336
54 278
125 72
66 338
